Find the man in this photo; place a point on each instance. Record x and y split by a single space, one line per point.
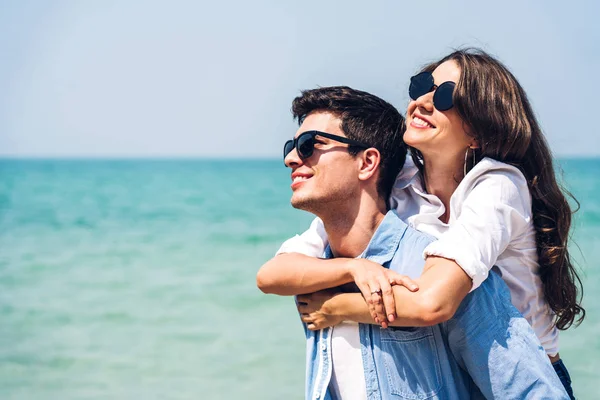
344 160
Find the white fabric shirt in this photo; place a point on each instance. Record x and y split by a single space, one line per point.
348 374
490 225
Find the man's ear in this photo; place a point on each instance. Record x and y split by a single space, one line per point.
369 163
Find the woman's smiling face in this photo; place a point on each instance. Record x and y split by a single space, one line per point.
435 132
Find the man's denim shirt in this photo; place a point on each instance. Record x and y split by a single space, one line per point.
487 350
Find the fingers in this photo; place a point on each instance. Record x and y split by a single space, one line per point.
376 304
371 292
402 280
306 309
303 298
387 295
310 321
365 290
377 309
373 281
306 318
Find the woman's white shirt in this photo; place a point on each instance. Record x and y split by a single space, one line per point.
490 225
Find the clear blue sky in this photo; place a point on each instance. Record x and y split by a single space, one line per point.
188 78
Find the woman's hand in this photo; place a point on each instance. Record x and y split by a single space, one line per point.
375 283
317 311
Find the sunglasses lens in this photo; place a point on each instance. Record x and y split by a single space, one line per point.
420 84
306 145
442 98
287 148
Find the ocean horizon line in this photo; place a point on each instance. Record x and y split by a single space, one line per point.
169 158
138 158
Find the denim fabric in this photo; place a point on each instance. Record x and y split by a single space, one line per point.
564 377
487 350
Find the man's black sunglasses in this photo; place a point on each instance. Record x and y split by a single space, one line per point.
305 143
423 83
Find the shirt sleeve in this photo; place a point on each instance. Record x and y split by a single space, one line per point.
311 243
496 210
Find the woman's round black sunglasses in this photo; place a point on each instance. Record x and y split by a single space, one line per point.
305 143
423 83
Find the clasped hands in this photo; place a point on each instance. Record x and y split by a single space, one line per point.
324 308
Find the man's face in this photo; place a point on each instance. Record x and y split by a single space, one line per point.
329 177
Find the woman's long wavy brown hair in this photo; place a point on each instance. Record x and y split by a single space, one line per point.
499 116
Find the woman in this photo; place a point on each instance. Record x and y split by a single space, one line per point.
486 189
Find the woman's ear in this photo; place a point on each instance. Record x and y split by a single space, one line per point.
474 143
369 163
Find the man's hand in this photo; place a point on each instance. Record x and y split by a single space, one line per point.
317 309
375 283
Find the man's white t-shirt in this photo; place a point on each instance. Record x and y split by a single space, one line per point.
348 374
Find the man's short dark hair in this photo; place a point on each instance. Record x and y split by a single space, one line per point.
365 118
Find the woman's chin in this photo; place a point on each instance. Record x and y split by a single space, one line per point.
415 138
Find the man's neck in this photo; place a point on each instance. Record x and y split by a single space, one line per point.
351 228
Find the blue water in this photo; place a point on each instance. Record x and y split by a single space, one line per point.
135 279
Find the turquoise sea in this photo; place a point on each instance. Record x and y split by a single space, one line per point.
136 280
